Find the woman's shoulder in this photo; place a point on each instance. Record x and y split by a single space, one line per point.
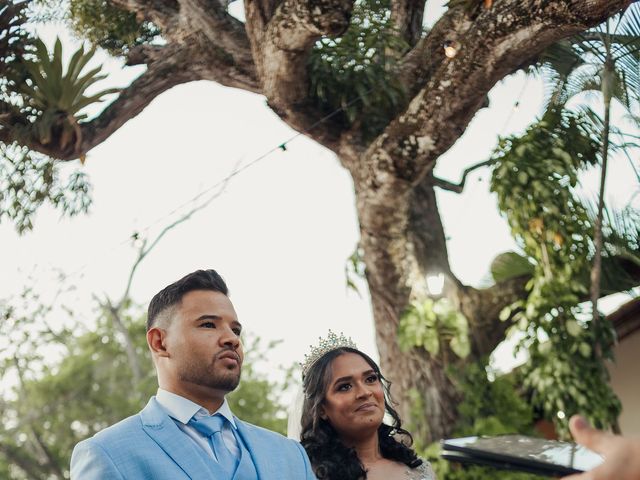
421 472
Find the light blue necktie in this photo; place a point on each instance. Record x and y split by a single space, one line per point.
211 427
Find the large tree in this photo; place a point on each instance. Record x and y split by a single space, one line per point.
397 117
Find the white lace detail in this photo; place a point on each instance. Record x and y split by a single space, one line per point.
422 472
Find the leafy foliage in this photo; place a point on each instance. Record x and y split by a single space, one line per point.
109 26
603 61
15 42
354 270
510 265
430 324
62 383
29 180
534 179
355 71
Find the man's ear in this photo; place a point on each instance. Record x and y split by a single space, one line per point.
156 339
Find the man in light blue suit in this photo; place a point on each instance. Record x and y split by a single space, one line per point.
187 431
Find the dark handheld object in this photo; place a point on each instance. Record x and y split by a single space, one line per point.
521 453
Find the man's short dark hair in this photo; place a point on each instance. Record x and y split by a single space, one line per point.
171 295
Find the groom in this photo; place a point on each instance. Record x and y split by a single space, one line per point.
187 431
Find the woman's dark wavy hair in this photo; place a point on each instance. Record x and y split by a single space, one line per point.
330 458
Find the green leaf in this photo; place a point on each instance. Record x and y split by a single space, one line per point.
574 329
510 265
585 350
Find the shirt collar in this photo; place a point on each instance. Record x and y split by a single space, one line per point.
182 409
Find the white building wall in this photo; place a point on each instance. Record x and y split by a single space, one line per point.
625 380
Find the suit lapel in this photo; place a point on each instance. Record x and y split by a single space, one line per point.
162 429
261 455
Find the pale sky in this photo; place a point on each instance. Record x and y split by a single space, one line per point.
281 232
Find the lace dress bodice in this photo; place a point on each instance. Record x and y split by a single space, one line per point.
421 472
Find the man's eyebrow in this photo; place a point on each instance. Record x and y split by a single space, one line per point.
207 316
211 316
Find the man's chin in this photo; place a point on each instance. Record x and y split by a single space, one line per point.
228 384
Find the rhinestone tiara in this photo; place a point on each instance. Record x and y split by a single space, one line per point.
325 345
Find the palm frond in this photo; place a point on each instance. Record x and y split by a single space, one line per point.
630 24
631 69
622 248
583 79
562 58
554 89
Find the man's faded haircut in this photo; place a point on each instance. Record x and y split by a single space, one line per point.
171 295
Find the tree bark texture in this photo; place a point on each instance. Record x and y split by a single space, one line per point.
401 231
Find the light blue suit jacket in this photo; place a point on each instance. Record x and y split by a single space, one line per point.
149 445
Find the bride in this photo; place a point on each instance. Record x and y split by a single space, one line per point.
342 421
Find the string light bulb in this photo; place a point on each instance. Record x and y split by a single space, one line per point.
138 241
435 284
451 48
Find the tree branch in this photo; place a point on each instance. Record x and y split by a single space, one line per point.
51 463
459 187
17 456
496 43
482 308
407 17
115 310
171 66
163 13
168 66
224 32
281 47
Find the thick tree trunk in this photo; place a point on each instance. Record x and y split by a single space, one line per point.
403 239
426 398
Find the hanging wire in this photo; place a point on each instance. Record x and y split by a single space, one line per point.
282 147
222 182
469 186
515 105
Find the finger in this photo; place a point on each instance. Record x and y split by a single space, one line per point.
588 436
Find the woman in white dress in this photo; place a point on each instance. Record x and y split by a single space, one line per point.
342 425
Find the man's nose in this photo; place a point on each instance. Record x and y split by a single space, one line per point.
229 338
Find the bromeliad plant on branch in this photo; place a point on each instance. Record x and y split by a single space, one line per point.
36 101
53 99
403 117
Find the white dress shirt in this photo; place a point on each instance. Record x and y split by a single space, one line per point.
181 410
